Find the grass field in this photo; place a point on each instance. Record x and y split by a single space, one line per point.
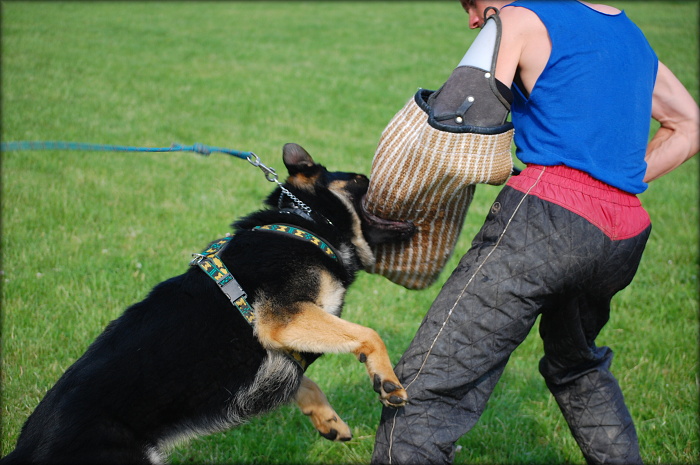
85 234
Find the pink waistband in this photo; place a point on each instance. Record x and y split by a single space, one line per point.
617 213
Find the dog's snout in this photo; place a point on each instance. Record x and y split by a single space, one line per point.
362 180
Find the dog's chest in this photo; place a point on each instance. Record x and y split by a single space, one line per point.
331 294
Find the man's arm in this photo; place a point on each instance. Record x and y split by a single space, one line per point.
525 47
678 138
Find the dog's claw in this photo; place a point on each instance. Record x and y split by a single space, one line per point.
377 384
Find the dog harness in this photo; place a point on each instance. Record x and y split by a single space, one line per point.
210 262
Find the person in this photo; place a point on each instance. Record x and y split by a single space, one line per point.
561 238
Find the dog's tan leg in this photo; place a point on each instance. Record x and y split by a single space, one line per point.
311 329
313 403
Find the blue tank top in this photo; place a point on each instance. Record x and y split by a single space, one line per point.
590 109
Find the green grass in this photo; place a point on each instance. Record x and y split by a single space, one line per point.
86 234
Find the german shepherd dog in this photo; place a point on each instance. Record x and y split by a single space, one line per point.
185 362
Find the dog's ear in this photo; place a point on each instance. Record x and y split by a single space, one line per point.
304 173
296 159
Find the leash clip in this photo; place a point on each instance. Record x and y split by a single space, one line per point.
270 173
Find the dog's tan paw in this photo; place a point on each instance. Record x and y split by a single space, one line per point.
333 429
314 404
391 394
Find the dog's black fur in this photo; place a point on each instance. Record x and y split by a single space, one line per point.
184 362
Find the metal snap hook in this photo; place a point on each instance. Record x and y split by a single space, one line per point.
270 173
253 159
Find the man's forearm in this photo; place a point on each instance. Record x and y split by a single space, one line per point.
670 148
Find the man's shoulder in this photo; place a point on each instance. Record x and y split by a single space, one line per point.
520 20
519 16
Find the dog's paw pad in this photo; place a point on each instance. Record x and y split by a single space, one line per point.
334 435
340 431
388 386
390 393
396 399
330 435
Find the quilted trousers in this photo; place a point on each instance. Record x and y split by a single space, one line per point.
532 257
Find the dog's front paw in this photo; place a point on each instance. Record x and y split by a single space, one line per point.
391 394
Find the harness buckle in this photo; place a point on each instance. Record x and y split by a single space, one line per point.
216 270
197 259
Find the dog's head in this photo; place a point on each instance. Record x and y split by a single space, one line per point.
336 196
309 176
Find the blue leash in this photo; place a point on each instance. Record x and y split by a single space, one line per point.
201 149
54 145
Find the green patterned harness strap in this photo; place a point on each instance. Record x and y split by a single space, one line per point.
304 235
214 267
